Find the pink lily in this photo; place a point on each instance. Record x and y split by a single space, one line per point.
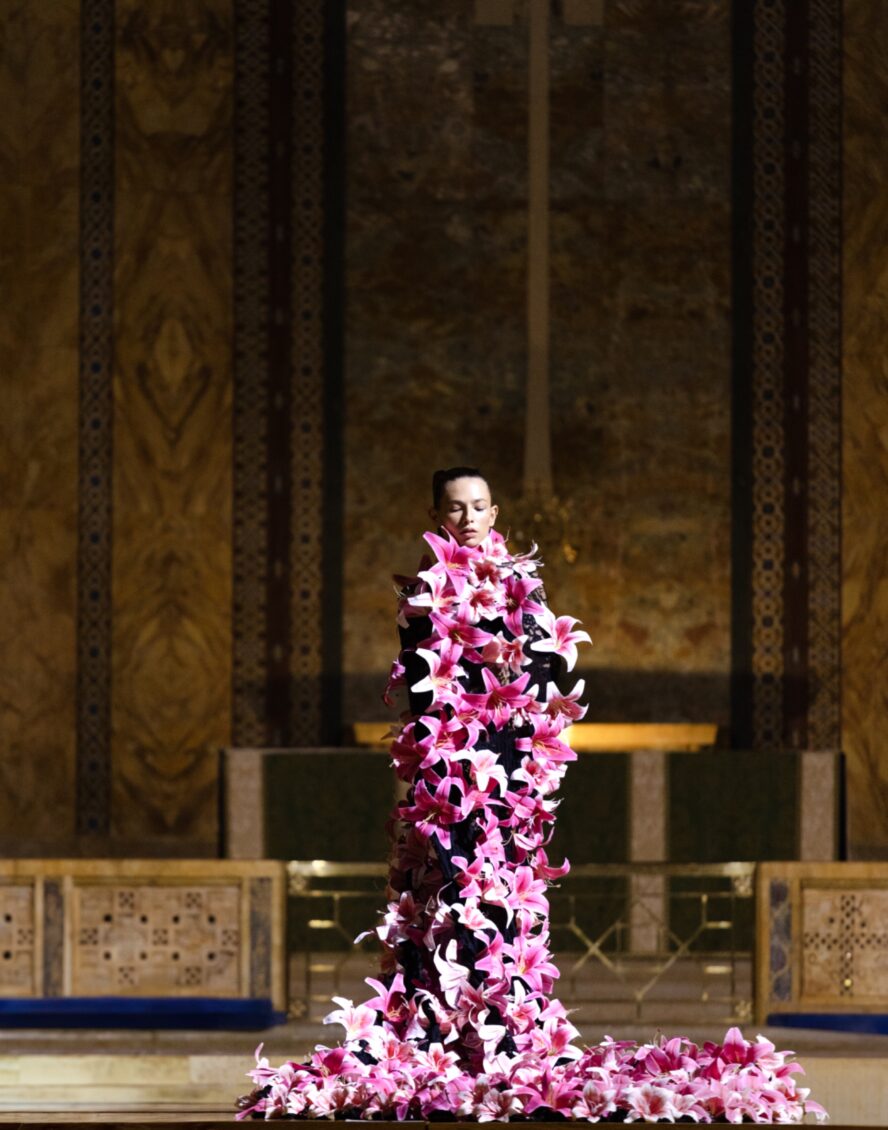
497 1106
480 603
469 915
455 558
563 639
565 706
545 740
444 670
430 813
459 633
497 706
357 1022
389 1000
530 962
506 653
453 974
517 602
395 680
527 892
486 769
434 596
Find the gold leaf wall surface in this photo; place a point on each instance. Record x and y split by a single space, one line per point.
171 639
39 215
865 428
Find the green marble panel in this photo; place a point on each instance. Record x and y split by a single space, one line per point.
732 806
593 818
328 804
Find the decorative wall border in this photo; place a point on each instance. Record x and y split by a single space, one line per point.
287 371
825 375
787 393
94 675
307 404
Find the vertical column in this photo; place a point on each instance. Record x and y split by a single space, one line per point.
279 431
306 408
537 438
795 378
824 470
647 844
96 413
250 371
768 377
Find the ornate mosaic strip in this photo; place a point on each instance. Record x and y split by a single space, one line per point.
796 465
280 440
768 414
824 375
780 941
307 405
251 237
95 418
795 377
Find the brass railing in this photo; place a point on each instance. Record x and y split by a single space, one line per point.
645 942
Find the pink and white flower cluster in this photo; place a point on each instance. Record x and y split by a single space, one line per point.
462 1022
736 1081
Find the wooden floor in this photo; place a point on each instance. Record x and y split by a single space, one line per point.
136 1119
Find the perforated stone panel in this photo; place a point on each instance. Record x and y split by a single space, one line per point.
142 928
16 940
821 938
844 943
154 941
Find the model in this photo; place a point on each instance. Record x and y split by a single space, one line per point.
462 1022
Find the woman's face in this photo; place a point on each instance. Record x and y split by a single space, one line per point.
465 510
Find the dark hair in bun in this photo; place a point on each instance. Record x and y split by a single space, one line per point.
440 479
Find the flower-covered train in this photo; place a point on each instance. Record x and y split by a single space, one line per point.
462 1023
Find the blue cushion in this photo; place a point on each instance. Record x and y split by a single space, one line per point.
875 1023
139 1012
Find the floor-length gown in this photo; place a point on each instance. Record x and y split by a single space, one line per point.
462 1022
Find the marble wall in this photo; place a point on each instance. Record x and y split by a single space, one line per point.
171 600
640 371
865 429
39 170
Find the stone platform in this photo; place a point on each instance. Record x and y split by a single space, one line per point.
62 1078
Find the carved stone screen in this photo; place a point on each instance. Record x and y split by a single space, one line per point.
822 933
142 928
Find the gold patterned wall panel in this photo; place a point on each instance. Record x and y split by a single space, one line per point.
172 421
39 167
865 427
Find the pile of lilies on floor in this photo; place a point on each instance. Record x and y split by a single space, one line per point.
616 1081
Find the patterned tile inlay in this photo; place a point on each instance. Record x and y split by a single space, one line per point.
844 941
767 568
17 940
307 401
152 940
780 942
250 510
824 361
796 389
96 355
